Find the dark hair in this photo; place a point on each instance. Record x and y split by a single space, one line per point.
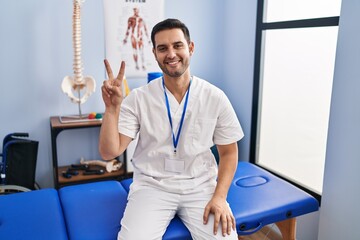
169 23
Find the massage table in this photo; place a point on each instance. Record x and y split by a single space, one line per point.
94 210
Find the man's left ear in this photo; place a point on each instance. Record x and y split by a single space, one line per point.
191 48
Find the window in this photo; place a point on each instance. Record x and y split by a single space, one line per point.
294 65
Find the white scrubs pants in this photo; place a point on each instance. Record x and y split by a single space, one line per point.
150 210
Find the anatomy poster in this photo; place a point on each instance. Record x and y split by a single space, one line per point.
128 25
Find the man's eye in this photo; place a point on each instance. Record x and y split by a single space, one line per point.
161 49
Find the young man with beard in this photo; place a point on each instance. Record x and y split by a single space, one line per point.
178 118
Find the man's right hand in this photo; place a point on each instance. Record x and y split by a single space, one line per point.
111 89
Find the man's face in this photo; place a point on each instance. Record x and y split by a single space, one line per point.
172 52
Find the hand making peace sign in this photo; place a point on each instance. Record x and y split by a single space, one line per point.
111 89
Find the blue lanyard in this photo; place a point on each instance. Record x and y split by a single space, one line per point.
176 140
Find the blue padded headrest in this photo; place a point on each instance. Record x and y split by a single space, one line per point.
251 181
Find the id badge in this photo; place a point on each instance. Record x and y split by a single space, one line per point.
175 165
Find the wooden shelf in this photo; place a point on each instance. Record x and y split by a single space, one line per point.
68 123
55 123
86 178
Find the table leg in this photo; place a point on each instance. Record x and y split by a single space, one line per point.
287 228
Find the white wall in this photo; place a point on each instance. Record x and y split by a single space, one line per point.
339 215
238 48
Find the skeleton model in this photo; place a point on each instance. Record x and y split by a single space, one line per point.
78 83
110 166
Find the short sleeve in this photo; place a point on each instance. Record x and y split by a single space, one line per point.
128 119
228 129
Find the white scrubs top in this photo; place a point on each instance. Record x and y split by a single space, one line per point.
209 119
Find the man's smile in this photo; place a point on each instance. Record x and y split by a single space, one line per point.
172 63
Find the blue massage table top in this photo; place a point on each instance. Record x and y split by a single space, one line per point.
101 203
32 215
258 198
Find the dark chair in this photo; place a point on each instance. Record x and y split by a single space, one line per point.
18 163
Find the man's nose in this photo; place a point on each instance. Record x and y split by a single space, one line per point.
171 53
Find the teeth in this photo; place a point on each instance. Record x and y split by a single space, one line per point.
172 63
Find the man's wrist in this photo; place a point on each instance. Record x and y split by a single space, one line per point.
112 112
219 196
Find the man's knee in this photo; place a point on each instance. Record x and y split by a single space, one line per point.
199 230
140 233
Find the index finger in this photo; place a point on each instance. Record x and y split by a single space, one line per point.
108 69
121 73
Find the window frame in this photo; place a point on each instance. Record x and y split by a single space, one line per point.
262 26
